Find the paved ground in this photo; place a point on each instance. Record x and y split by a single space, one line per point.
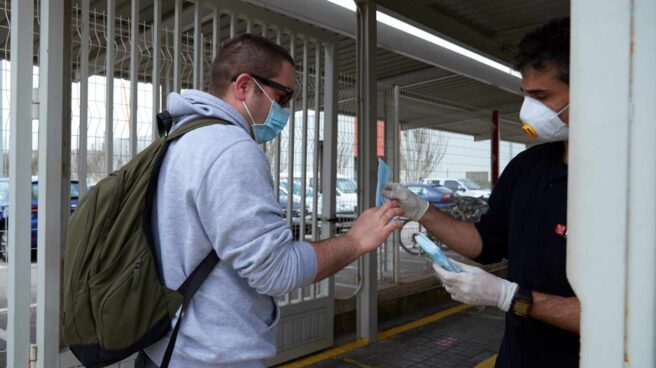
455 337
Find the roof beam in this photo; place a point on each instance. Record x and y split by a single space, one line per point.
435 22
417 76
335 18
463 116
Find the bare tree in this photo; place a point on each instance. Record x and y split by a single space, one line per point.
421 151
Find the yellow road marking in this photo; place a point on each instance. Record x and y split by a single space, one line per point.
327 354
422 322
487 363
331 353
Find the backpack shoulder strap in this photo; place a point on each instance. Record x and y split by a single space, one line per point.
187 127
188 289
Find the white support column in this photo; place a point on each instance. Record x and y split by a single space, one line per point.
304 139
177 41
396 171
610 257
20 158
641 288
134 77
84 99
290 141
233 25
198 59
157 63
109 100
367 298
50 227
277 144
216 32
329 165
392 158
317 143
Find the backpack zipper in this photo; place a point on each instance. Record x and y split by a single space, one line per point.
135 274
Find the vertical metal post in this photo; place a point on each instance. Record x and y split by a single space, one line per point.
20 158
367 312
134 77
396 171
177 41
2 119
304 139
201 70
109 84
317 143
249 25
598 246
51 83
329 164
216 32
495 148
84 100
198 59
641 297
276 173
233 25
290 143
157 63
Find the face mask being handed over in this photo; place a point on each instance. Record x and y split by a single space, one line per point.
541 122
273 124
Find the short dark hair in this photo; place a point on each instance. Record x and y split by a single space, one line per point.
246 54
544 47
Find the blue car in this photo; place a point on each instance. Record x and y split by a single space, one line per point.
4 211
438 196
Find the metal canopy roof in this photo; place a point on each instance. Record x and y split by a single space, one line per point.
433 80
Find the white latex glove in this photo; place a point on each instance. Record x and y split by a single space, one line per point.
475 286
414 207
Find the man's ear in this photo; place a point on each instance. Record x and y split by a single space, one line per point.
241 86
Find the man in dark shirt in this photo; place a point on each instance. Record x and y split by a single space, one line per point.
526 222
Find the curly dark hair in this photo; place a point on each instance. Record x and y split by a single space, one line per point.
544 47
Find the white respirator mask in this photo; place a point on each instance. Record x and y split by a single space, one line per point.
541 122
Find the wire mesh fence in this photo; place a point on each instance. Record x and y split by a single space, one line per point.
426 154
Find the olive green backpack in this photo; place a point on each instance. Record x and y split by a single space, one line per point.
115 302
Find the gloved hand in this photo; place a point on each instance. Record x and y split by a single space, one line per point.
475 286
414 207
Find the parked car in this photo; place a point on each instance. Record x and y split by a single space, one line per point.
296 188
283 199
440 197
464 187
346 200
4 211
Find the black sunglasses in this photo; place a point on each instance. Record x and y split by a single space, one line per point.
288 92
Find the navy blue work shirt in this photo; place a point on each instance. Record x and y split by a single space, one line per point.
527 224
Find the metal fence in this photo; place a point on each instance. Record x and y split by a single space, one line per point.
117 120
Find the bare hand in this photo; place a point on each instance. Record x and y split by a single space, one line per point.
374 226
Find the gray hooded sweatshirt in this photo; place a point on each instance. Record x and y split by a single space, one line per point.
215 191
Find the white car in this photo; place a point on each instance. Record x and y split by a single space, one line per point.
346 200
464 187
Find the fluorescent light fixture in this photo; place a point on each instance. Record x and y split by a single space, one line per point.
438 41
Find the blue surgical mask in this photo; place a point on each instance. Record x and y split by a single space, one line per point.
274 123
383 178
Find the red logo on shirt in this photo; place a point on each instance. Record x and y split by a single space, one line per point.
561 230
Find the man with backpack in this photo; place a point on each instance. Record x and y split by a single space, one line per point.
215 192
526 220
